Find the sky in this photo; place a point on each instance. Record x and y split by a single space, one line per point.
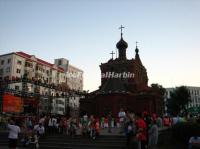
86 31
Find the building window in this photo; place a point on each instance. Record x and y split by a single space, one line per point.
60 62
6 77
1 71
27 64
18 71
16 87
19 62
8 69
2 62
9 60
47 72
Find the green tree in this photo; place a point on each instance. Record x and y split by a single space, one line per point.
178 100
158 88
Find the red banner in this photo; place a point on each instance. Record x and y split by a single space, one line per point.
12 103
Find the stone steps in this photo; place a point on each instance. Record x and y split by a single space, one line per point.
59 141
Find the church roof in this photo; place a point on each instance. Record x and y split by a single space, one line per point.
121 65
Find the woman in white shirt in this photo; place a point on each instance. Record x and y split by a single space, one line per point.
14 130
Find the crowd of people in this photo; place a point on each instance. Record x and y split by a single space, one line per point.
141 129
32 128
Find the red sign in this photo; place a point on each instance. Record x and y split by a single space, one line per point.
12 103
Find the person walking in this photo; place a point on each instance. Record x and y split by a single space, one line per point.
14 131
122 116
130 130
153 135
39 129
109 122
141 131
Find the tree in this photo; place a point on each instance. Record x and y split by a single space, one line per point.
178 100
158 88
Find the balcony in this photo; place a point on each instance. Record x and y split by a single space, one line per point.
39 68
28 64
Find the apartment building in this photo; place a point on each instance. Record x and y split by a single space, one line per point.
17 64
73 74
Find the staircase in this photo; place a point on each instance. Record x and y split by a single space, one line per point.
3 139
59 141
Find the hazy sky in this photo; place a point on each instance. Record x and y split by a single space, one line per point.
86 31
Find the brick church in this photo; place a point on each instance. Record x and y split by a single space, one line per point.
124 83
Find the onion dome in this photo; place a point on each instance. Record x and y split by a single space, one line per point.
122 44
